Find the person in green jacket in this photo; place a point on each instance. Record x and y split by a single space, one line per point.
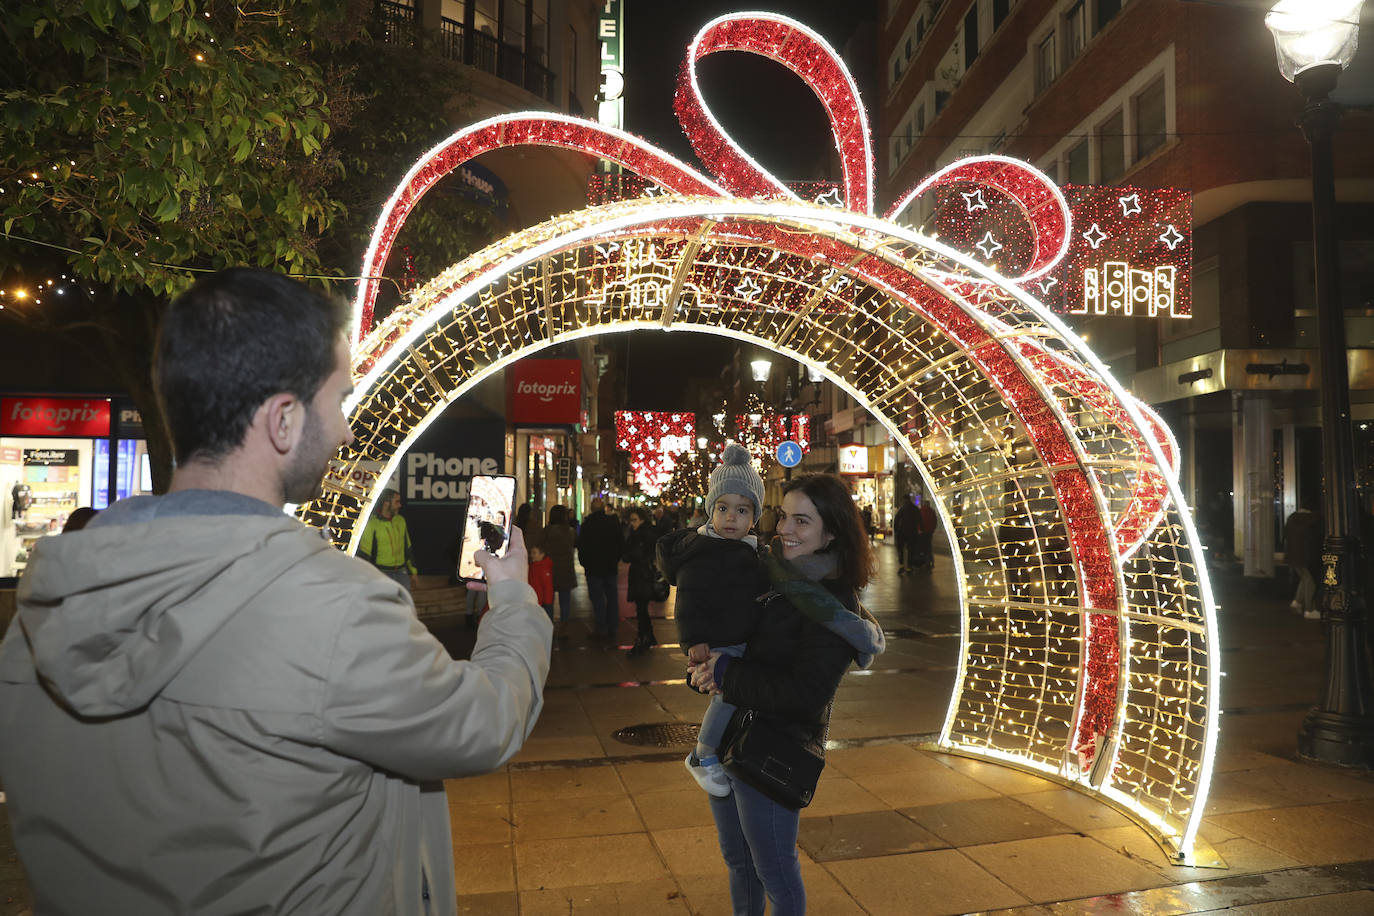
386 542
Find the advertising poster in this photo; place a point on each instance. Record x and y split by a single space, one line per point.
434 485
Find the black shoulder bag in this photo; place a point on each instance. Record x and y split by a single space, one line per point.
774 761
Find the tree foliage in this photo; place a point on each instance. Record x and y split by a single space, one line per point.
144 140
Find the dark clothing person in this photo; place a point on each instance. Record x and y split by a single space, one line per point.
906 530
718 583
639 553
558 547
1302 551
599 544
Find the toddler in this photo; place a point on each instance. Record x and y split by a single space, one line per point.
719 577
541 578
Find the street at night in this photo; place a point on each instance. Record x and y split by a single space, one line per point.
531 457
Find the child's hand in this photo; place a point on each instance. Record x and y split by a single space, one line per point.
698 653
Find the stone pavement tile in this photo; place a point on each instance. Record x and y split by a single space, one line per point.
561 723
1312 834
691 853
1304 783
1241 758
984 820
1075 809
587 861
863 836
1272 733
1062 867
1354 903
1282 891
574 747
489 788
1241 855
576 817
940 881
484 869
1361 812
824 895
1230 793
840 795
565 782
502 904
1003 779
653 776
926 787
473 825
879 758
684 807
661 897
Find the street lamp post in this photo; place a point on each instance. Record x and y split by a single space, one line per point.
1315 40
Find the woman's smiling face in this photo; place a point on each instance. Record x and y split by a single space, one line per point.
799 526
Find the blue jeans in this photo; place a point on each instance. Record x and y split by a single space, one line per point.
564 604
605 603
758 840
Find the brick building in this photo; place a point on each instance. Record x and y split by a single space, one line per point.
1166 93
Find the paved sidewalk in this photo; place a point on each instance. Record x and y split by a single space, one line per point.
584 822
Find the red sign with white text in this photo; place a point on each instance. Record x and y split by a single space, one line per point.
544 391
87 417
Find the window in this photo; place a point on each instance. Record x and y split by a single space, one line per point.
1104 12
1044 63
1150 122
921 119
1111 149
1000 9
941 99
896 71
1052 170
971 37
1075 31
1077 165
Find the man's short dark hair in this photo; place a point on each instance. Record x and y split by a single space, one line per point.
230 342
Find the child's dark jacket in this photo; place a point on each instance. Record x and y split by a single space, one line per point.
718 583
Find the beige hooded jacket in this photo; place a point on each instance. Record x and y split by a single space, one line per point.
224 714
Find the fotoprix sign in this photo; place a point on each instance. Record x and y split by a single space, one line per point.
54 417
544 391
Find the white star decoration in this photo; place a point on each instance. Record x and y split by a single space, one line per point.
748 289
608 249
1171 237
974 200
1047 284
830 198
653 190
989 246
1095 236
1130 204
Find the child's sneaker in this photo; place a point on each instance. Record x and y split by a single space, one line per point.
709 774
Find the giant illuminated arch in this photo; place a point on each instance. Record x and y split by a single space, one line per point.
1088 634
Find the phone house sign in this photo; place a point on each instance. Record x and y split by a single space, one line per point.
431 477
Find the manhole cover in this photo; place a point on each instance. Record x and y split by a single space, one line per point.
658 734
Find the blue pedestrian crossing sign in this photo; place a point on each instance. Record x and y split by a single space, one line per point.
789 454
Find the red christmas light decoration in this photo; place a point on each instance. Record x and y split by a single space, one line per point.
654 440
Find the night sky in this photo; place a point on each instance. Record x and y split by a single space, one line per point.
767 109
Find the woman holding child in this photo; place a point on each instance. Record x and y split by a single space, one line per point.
809 628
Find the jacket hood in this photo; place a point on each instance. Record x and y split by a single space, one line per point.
113 613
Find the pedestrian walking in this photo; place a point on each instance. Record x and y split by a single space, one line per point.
558 543
906 531
639 553
209 709
598 550
1302 543
386 541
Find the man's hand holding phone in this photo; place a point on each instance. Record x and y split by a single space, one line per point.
514 565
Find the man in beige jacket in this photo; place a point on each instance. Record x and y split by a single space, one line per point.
205 707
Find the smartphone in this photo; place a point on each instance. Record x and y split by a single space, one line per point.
491 512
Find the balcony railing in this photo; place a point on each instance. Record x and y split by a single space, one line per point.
475 48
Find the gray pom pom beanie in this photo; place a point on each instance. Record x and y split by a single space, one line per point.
736 475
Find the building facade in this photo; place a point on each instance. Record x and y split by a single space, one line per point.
1166 94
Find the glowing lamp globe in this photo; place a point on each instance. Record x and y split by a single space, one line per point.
762 368
1313 33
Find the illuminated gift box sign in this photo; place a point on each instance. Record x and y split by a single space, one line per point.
655 440
1088 632
1145 232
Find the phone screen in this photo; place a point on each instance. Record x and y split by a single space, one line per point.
491 504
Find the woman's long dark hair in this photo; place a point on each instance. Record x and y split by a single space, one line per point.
558 515
840 518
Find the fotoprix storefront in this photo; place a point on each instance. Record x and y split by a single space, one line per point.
55 457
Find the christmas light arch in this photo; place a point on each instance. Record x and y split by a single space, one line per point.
1088 629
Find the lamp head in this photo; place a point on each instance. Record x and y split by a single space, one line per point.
1314 33
762 368
814 374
